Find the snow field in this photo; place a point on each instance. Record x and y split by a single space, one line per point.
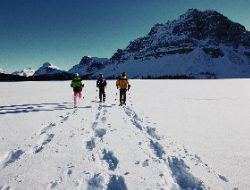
162 139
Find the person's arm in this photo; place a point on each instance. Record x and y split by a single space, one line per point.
72 84
128 85
97 83
117 83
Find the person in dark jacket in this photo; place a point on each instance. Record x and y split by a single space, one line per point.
77 86
101 84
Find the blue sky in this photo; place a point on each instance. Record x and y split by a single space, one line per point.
62 31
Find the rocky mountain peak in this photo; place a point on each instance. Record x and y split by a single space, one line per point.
85 60
212 25
47 64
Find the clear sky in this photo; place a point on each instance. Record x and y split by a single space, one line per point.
62 31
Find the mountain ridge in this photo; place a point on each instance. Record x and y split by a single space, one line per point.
198 44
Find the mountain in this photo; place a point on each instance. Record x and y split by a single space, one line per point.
50 72
45 72
2 71
25 72
89 65
199 44
48 69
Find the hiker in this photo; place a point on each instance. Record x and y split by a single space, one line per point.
77 86
123 84
101 84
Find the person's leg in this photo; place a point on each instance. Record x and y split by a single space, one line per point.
104 94
100 94
124 98
75 96
123 91
80 94
120 96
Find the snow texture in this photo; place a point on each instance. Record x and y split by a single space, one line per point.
172 134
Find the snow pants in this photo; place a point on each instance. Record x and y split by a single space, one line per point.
123 92
77 94
102 94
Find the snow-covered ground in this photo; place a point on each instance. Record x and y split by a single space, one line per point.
173 134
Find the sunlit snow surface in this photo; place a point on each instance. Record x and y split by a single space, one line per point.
172 134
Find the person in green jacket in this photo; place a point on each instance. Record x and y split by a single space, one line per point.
77 86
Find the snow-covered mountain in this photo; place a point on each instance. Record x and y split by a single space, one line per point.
2 71
89 65
200 44
25 72
48 69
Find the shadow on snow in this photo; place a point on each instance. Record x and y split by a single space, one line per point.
27 108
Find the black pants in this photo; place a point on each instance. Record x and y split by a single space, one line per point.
102 94
123 96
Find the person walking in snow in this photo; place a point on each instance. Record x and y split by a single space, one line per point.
101 84
123 84
77 86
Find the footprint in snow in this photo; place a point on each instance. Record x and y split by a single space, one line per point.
145 163
137 162
100 133
104 119
70 169
64 119
94 125
158 149
54 183
69 172
11 157
223 178
5 187
97 115
152 132
90 145
117 183
182 175
96 182
44 130
44 141
111 160
72 135
134 118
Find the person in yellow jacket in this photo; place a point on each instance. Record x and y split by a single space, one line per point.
123 84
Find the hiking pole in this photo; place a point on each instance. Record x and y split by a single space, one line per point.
115 96
96 95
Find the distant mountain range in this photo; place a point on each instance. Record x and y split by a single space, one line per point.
199 44
25 72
